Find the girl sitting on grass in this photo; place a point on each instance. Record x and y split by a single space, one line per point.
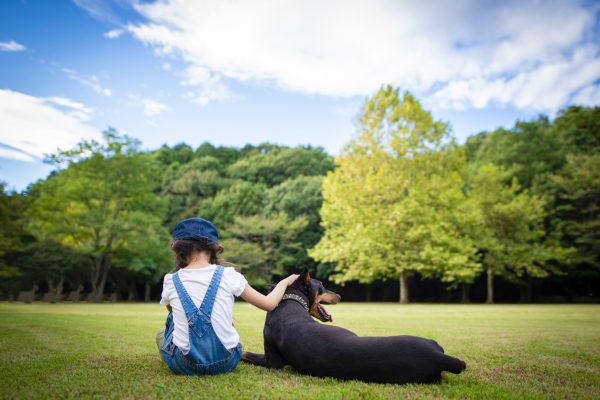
199 337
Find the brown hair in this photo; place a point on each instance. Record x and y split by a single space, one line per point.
184 249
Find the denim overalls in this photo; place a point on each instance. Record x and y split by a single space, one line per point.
207 355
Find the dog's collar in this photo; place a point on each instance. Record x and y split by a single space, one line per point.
295 297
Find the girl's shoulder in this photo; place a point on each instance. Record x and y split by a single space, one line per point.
231 272
168 279
233 280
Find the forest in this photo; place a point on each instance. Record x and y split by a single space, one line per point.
403 213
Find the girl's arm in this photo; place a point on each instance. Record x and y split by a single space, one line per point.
270 301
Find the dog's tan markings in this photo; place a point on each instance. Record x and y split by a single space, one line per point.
328 298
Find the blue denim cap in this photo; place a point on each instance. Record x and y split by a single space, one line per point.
195 228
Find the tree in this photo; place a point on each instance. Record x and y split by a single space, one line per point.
52 262
263 247
578 129
578 210
511 239
12 238
275 165
300 197
11 230
191 184
239 199
104 203
388 207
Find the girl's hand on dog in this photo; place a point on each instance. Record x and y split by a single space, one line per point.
291 279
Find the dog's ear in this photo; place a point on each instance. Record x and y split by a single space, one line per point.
305 277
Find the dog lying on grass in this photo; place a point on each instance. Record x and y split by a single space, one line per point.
292 337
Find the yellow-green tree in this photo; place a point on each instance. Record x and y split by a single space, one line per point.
394 205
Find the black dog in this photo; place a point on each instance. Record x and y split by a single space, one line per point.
291 336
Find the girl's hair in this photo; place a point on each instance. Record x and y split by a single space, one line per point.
185 248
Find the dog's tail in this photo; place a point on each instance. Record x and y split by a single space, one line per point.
453 364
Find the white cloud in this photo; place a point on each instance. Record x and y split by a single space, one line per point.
207 86
33 126
91 81
6 152
588 96
468 53
150 107
73 108
98 9
114 34
11 46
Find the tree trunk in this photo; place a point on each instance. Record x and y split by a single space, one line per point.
59 288
100 288
369 294
464 293
490 285
529 290
147 292
403 288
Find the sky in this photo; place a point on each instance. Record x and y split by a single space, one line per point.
292 72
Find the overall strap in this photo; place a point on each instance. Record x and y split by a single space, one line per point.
184 297
211 293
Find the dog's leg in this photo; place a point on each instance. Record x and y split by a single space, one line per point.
254 359
274 358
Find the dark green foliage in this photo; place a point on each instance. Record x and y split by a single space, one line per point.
577 211
273 166
264 247
529 152
274 186
578 129
557 161
180 153
50 261
11 231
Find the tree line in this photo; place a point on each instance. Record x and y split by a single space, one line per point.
402 199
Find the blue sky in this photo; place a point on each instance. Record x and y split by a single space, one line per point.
288 72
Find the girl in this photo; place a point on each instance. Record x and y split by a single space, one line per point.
199 337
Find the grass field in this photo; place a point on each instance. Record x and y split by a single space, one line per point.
108 351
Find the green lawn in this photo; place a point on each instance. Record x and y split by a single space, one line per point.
108 351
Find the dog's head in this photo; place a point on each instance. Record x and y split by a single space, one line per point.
317 295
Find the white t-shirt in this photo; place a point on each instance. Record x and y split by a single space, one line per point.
196 282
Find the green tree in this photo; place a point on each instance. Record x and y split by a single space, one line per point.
577 128
239 199
389 206
300 197
180 153
263 247
529 152
578 210
52 262
511 239
276 165
11 230
104 203
225 155
191 184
